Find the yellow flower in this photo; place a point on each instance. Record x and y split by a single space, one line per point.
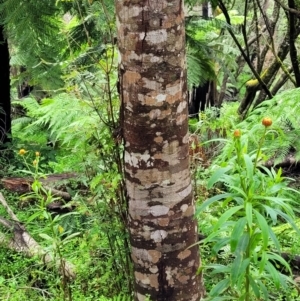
22 151
34 162
60 229
37 154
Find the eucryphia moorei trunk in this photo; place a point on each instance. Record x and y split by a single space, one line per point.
152 75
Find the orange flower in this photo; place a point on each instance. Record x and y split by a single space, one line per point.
22 151
267 121
237 133
37 154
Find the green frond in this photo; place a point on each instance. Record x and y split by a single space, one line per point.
30 104
35 40
198 70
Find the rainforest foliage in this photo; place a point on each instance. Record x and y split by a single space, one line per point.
62 181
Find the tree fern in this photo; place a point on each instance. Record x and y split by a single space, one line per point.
33 29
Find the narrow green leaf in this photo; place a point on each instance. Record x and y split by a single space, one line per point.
225 216
219 288
235 269
262 263
212 200
242 244
264 227
239 264
274 274
249 214
220 244
263 289
70 237
217 268
274 239
237 232
289 220
33 217
249 167
46 236
275 257
238 190
272 213
242 270
254 287
216 177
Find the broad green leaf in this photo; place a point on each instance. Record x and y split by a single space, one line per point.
237 232
217 176
264 227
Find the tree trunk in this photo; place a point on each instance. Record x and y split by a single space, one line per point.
5 108
154 118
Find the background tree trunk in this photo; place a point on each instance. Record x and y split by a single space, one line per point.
5 108
152 75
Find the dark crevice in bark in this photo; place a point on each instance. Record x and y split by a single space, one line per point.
292 35
5 106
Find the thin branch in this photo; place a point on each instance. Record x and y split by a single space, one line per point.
261 82
289 9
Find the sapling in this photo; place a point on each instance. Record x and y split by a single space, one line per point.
253 200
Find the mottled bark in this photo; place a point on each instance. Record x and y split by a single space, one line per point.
5 107
154 117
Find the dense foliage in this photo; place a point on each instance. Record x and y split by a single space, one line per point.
244 172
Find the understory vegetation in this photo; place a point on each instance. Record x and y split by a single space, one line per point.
62 175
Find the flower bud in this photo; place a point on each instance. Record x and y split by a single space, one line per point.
237 133
267 121
22 151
